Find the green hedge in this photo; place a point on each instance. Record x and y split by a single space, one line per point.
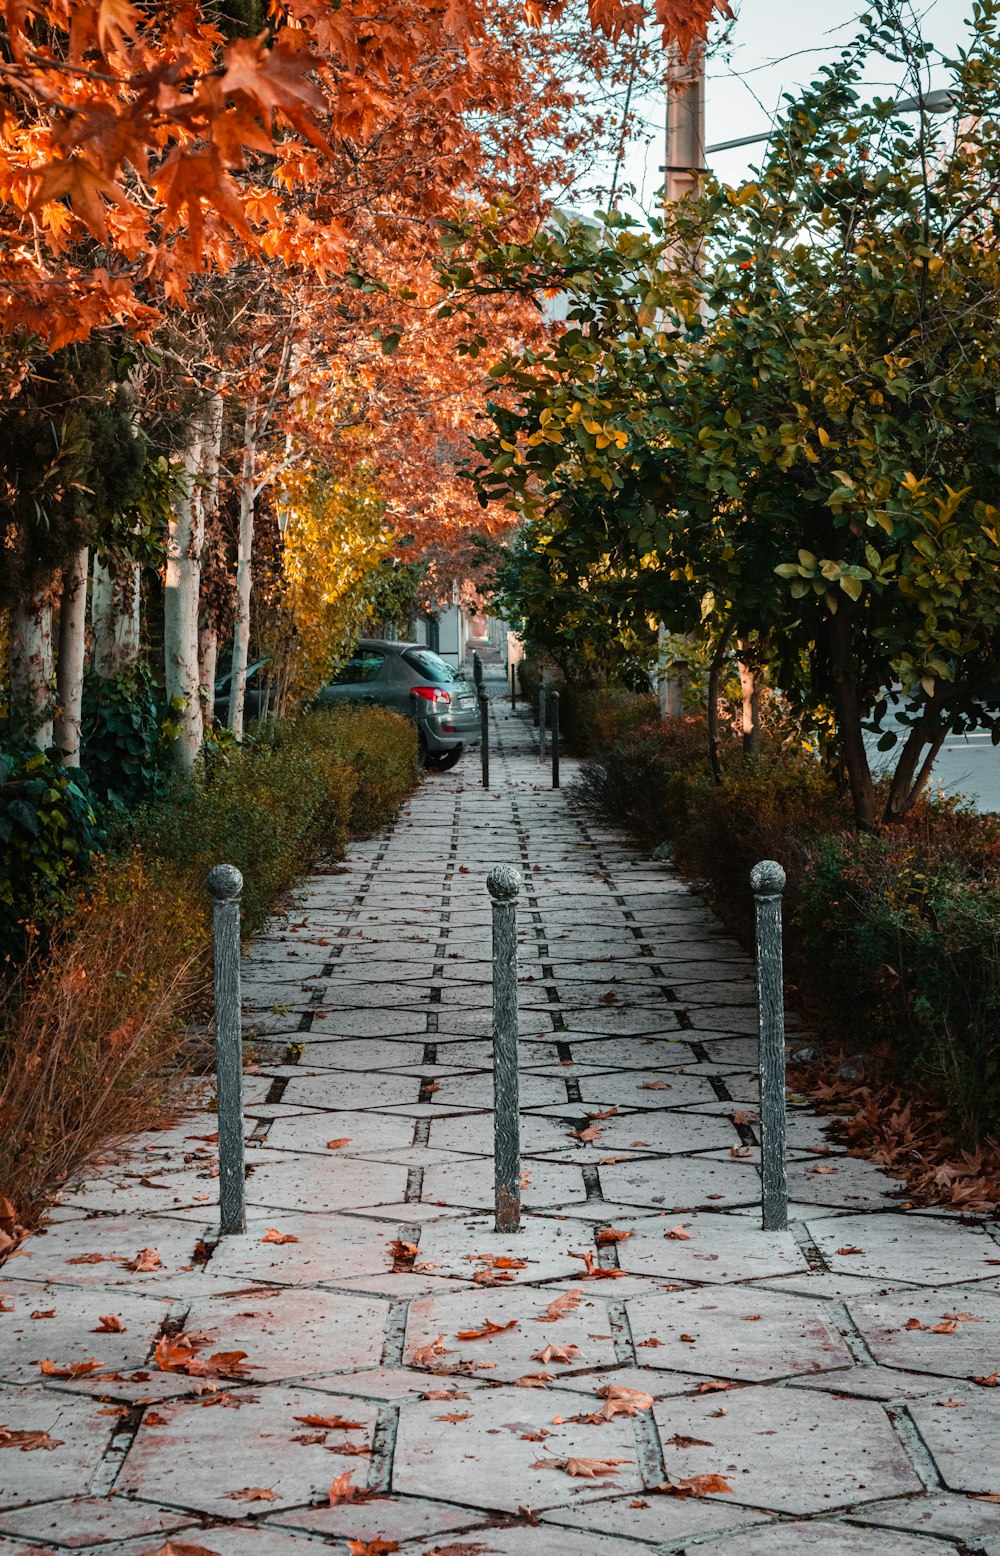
591 718
889 939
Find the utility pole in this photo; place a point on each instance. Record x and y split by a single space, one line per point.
685 161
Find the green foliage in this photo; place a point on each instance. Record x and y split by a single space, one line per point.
124 750
592 718
70 459
799 444
912 930
49 837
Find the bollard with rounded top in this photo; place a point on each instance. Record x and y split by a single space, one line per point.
484 736
513 687
768 882
477 670
541 721
503 884
225 884
555 739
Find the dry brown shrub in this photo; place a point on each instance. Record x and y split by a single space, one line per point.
91 1038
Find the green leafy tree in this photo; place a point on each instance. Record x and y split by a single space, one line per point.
801 447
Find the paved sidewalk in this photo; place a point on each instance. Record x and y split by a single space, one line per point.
520 1396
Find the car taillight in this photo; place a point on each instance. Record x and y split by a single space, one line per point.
432 694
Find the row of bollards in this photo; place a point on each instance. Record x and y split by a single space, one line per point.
225 884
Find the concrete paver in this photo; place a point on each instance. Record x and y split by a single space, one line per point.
824 1372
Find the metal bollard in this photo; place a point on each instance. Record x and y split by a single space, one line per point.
541 721
477 670
484 736
555 740
504 884
513 688
768 882
225 884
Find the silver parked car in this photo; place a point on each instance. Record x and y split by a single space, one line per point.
415 681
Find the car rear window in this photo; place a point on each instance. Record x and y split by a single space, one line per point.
366 665
430 665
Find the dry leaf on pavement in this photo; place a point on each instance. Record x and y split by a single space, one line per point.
565 1355
583 1469
331 1423
694 1486
272 1235
145 1259
424 1355
611 1234
715 1387
27 1442
559 1307
487 1331
107 1323
678 1234
338 1145
343 1489
253 1494
52 1369
621 1401
377 1547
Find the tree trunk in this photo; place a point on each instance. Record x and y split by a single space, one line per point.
72 654
714 677
180 607
750 687
671 679
29 653
908 783
114 616
244 575
847 706
208 635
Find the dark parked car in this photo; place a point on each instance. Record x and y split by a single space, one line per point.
258 695
417 682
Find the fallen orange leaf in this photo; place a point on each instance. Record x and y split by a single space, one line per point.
584 1469
342 1489
272 1235
621 1401
565 1355
487 1331
253 1494
109 1324
559 1307
694 1486
338 1145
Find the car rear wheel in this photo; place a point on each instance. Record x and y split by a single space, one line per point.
438 761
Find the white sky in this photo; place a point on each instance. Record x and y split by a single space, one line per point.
777 46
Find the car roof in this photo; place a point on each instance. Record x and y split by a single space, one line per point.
385 643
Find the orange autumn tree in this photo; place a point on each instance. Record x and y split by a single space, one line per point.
127 133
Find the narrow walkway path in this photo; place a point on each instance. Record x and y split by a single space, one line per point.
466 1394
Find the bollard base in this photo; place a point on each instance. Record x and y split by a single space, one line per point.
508 1211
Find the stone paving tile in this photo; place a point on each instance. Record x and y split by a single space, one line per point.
78 1428
666 1132
787 1451
952 1517
83 1521
186 1461
749 1335
313 1132
717 1249
62 1325
662 1520
827 1539
459 1247
954 1335
926 1250
291 1333
378 1518
471 1183
350 1089
680 1183
489 1460
217 1540
326 1248
963 1439
65 1255
309 1182
525 1331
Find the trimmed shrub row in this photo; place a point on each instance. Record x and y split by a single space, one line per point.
90 1044
892 938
